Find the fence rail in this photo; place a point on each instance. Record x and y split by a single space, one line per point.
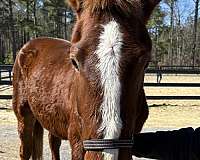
6 97
172 84
196 85
5 69
174 71
5 82
173 97
148 97
165 70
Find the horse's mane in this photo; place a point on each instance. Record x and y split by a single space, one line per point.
99 5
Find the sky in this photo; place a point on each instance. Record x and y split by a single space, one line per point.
186 8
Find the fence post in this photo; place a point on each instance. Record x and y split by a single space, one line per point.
0 74
10 75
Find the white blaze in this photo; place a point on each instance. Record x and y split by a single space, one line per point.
109 53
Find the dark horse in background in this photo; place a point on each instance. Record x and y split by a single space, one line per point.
91 88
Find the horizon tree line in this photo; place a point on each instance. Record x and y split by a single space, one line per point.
176 41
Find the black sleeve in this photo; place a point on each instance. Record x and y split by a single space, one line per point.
180 144
195 147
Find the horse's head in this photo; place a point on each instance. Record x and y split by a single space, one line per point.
110 50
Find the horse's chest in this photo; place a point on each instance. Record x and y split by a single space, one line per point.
50 109
52 118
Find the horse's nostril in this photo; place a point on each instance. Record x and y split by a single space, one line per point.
75 63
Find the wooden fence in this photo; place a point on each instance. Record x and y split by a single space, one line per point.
7 80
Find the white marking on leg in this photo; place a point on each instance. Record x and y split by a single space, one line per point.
109 53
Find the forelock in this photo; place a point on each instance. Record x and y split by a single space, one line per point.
126 6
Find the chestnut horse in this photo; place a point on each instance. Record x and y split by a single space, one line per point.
91 88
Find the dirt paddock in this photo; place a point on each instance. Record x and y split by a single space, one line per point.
164 115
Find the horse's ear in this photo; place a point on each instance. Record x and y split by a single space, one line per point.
148 7
75 4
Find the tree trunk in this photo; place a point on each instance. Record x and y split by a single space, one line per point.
14 49
58 22
178 29
171 32
195 32
27 18
65 28
35 17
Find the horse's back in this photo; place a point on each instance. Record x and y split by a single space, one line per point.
43 51
42 76
40 59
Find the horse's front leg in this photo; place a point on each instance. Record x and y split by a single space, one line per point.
25 131
76 144
77 151
54 143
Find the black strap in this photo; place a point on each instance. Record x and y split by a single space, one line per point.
101 144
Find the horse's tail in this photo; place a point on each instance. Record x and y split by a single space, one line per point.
37 142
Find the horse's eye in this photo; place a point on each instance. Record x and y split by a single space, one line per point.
75 63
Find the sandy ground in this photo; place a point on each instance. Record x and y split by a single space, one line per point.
164 115
160 118
9 140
